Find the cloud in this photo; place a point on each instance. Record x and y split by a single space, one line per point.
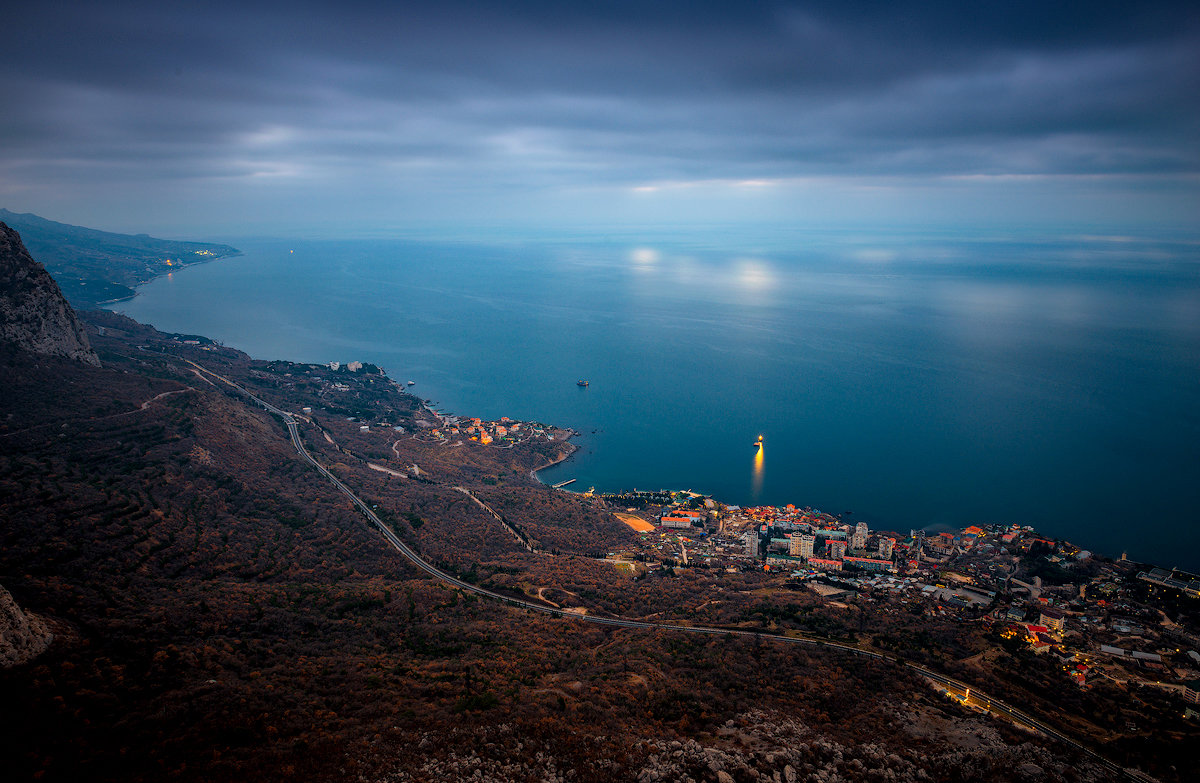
539 97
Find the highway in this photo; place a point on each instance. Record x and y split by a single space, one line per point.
967 693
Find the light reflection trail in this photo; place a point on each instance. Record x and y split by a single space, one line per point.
757 484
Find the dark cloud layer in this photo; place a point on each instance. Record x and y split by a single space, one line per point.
485 98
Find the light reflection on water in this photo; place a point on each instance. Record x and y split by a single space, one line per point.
757 483
913 384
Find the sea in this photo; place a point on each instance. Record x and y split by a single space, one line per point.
908 380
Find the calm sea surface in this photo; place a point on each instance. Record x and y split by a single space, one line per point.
915 381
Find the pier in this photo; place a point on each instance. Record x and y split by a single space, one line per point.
562 484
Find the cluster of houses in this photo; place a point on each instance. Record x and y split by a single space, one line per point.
822 544
486 432
1098 624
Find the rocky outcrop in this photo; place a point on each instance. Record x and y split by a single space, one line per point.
23 636
34 315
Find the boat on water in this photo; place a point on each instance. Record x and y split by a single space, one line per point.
758 443
412 383
581 382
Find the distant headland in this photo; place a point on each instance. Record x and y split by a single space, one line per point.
95 267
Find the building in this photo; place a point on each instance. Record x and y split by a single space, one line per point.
824 564
1186 583
886 547
1053 619
680 518
784 560
868 563
802 546
751 539
836 550
859 540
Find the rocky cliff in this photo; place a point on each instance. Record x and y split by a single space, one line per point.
22 636
34 315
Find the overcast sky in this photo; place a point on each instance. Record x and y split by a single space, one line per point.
202 118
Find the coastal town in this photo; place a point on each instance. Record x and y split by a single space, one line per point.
1026 638
1072 619
1100 619
352 389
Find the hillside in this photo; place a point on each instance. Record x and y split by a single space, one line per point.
230 615
33 313
94 266
222 611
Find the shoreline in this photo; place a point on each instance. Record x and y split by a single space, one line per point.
136 288
571 449
888 520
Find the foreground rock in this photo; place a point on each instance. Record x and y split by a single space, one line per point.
23 636
34 314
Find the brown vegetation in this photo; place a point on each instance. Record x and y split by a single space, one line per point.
230 616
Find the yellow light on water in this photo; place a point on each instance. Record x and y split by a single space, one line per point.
758 470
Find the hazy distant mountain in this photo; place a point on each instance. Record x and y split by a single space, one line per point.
95 266
33 313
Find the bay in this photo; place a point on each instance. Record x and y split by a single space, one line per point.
917 381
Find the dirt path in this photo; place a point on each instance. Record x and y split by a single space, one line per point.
388 471
143 406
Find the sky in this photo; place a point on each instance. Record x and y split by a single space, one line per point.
199 119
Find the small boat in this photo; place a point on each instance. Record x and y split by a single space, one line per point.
412 383
581 383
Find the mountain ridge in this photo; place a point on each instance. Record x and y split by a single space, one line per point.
93 267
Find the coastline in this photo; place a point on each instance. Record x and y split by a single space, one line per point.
726 484
571 449
135 289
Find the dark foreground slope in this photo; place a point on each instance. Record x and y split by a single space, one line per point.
216 610
220 613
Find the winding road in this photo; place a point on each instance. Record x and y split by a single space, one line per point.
967 693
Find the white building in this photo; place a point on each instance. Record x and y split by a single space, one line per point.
751 539
801 545
1053 619
859 541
